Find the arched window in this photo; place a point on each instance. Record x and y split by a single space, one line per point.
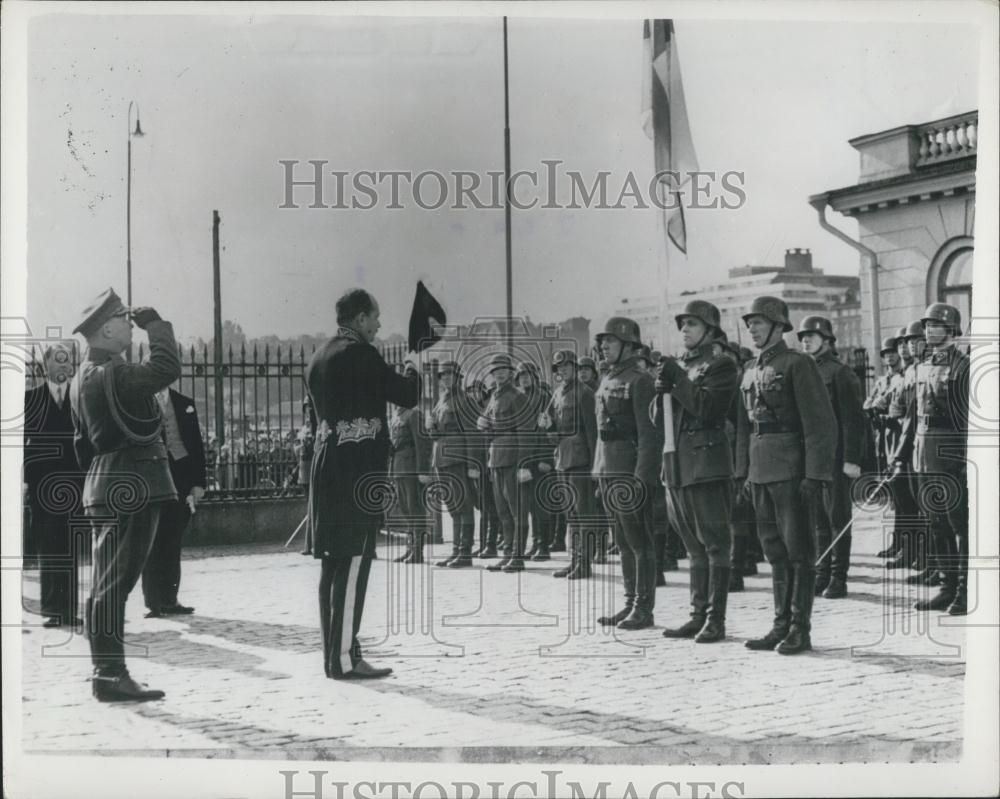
950 276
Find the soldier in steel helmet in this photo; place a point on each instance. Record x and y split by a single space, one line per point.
627 465
910 527
832 514
118 440
449 424
786 444
940 453
538 459
586 372
506 420
477 448
699 472
574 434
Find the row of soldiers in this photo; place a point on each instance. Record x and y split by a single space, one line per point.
918 410
714 444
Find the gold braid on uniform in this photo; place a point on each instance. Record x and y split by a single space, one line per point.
117 413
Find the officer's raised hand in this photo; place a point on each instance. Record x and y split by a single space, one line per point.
143 315
670 373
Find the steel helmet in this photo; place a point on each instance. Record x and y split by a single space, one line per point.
586 361
772 309
915 329
559 357
816 324
623 328
644 353
888 345
500 360
700 309
945 314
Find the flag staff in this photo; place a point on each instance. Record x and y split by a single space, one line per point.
506 205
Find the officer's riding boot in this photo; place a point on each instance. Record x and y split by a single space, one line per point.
718 592
465 531
837 589
405 557
417 547
781 584
629 580
583 552
803 591
736 564
699 606
947 558
959 606
660 544
600 546
641 616
574 553
560 533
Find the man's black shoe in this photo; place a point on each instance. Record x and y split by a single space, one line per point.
940 601
363 671
610 621
796 641
488 553
175 610
153 613
122 689
898 563
562 572
446 561
636 620
836 590
495 567
579 573
822 581
514 565
62 621
689 629
541 554
460 563
769 641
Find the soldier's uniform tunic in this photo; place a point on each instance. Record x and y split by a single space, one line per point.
627 463
787 433
538 458
118 440
844 390
574 422
911 522
452 458
350 384
410 456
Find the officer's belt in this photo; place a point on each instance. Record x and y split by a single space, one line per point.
771 428
615 435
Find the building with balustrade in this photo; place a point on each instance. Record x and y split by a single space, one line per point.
915 206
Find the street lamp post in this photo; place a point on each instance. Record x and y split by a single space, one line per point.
128 201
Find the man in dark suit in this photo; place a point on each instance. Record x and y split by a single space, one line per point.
53 484
350 384
186 453
119 440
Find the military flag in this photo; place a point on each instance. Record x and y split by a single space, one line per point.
426 313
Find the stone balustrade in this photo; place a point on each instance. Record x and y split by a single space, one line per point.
946 139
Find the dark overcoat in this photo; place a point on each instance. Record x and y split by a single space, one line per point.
350 384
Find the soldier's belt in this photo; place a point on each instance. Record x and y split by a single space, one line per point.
771 428
615 435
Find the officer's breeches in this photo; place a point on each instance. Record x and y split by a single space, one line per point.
830 515
945 497
412 509
512 508
343 584
703 511
638 556
459 495
581 515
121 547
783 523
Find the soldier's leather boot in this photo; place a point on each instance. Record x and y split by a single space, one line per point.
959 607
581 571
445 561
718 592
542 553
736 563
417 554
405 557
803 591
488 553
736 581
495 567
513 565
699 606
122 688
781 585
822 581
461 562
636 620
564 572
621 615
940 601
947 557
837 589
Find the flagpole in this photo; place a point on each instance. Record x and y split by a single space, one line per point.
506 205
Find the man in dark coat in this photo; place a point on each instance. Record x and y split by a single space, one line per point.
119 440
161 578
53 484
698 473
350 384
786 443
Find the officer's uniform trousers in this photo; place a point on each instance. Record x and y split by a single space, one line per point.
580 513
512 500
161 576
122 544
411 508
459 499
343 584
831 513
783 524
55 543
703 511
489 519
622 497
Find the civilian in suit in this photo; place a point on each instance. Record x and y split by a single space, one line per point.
53 485
186 454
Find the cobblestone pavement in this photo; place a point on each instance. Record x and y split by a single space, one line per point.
503 667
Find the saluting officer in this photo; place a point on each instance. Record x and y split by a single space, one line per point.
786 443
409 467
940 452
834 509
627 463
118 439
506 419
574 432
350 384
699 473
449 425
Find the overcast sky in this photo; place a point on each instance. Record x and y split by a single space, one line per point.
223 99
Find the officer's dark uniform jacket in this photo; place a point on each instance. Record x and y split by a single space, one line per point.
886 429
789 430
118 437
574 426
628 443
535 438
844 390
903 401
452 417
507 419
942 412
350 384
701 405
411 451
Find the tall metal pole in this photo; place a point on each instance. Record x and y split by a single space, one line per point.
220 430
506 169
